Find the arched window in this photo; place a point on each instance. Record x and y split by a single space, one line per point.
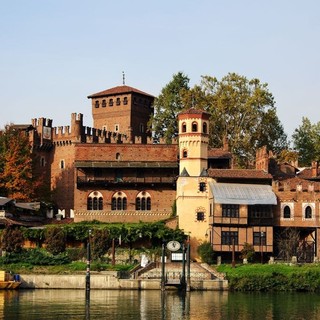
194 126
204 127
118 156
184 154
184 127
287 212
119 201
308 212
95 201
143 201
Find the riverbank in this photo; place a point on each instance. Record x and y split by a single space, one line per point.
273 277
108 280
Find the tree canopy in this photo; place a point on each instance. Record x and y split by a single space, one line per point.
16 165
167 106
242 110
306 141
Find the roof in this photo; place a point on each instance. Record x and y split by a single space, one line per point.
28 205
118 90
250 194
239 173
4 200
219 153
307 173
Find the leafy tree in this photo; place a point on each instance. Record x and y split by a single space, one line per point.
167 106
12 240
100 243
16 165
248 252
55 240
242 111
287 242
306 140
206 252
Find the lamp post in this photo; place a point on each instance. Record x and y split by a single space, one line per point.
88 268
188 264
233 253
261 242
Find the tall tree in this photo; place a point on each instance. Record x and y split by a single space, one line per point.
241 110
306 140
167 106
16 165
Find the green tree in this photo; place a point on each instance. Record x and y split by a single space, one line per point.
306 141
167 106
248 252
206 252
55 240
16 165
12 240
243 111
100 243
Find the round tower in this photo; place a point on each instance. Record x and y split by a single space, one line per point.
193 141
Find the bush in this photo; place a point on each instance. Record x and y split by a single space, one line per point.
37 257
12 240
100 243
247 252
76 254
55 240
206 252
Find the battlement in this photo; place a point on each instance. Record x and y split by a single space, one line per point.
77 132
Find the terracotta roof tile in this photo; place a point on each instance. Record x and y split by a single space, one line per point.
118 90
219 153
307 174
239 173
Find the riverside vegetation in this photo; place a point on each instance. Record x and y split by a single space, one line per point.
63 249
273 277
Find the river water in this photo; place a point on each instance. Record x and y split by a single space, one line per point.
152 304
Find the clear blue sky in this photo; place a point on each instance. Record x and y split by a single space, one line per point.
54 53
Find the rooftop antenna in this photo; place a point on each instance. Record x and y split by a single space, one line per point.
123 78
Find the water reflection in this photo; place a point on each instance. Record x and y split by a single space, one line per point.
149 304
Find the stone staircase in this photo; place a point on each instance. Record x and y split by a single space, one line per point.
173 271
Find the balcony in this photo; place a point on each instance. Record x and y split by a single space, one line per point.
101 182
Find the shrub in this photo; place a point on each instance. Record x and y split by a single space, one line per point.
100 243
55 240
12 240
247 252
206 252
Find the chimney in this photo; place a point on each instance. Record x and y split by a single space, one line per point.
314 169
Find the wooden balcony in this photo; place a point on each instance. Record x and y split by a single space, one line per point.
86 181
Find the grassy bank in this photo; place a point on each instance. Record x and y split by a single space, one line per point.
276 277
70 268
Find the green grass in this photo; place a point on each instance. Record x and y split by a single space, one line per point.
276 277
71 268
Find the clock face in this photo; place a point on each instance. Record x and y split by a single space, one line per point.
173 245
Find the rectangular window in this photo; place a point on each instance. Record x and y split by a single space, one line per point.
227 237
200 216
259 238
202 186
230 210
260 211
